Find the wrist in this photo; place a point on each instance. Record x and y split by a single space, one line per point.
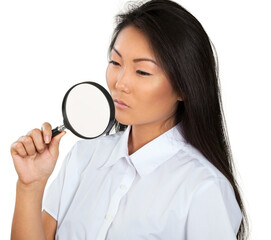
34 186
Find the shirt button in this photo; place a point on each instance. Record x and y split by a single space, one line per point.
109 217
123 187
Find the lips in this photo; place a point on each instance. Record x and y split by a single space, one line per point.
121 102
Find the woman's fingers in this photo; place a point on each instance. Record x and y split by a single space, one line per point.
32 148
46 129
17 148
54 145
28 144
38 139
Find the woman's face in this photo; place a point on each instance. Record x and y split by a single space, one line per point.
134 78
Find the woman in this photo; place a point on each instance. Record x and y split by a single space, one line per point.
167 172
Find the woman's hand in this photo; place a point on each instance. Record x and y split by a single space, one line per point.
35 154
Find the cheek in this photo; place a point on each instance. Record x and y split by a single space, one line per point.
109 78
157 93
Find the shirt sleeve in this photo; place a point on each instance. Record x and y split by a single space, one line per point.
52 197
61 192
214 212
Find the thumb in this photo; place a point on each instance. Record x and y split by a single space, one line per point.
54 144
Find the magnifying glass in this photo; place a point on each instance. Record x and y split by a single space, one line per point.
88 111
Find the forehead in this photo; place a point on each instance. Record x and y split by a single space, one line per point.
132 41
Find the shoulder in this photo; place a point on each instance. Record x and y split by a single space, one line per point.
207 187
199 171
83 150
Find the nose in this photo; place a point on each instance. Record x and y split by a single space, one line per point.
122 82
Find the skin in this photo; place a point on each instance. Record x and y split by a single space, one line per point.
34 157
141 84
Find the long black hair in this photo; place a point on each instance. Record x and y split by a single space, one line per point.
184 51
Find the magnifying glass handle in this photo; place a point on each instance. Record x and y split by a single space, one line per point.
57 130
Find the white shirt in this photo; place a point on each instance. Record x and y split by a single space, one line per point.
165 190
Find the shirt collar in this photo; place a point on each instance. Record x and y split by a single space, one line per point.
150 156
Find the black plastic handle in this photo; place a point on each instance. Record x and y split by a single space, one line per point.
55 132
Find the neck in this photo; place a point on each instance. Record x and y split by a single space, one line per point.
142 134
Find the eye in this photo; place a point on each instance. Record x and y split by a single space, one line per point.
114 63
143 73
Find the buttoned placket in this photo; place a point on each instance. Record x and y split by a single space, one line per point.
123 188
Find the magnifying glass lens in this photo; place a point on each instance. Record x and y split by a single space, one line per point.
88 110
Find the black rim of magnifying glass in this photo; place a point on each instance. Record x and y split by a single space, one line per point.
109 100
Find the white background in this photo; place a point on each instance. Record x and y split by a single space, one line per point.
47 46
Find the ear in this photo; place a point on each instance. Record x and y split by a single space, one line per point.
180 99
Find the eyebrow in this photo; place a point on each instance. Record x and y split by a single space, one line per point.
137 59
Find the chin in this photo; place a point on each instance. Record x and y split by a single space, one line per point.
122 121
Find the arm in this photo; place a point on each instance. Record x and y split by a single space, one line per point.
34 158
214 212
49 224
27 219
